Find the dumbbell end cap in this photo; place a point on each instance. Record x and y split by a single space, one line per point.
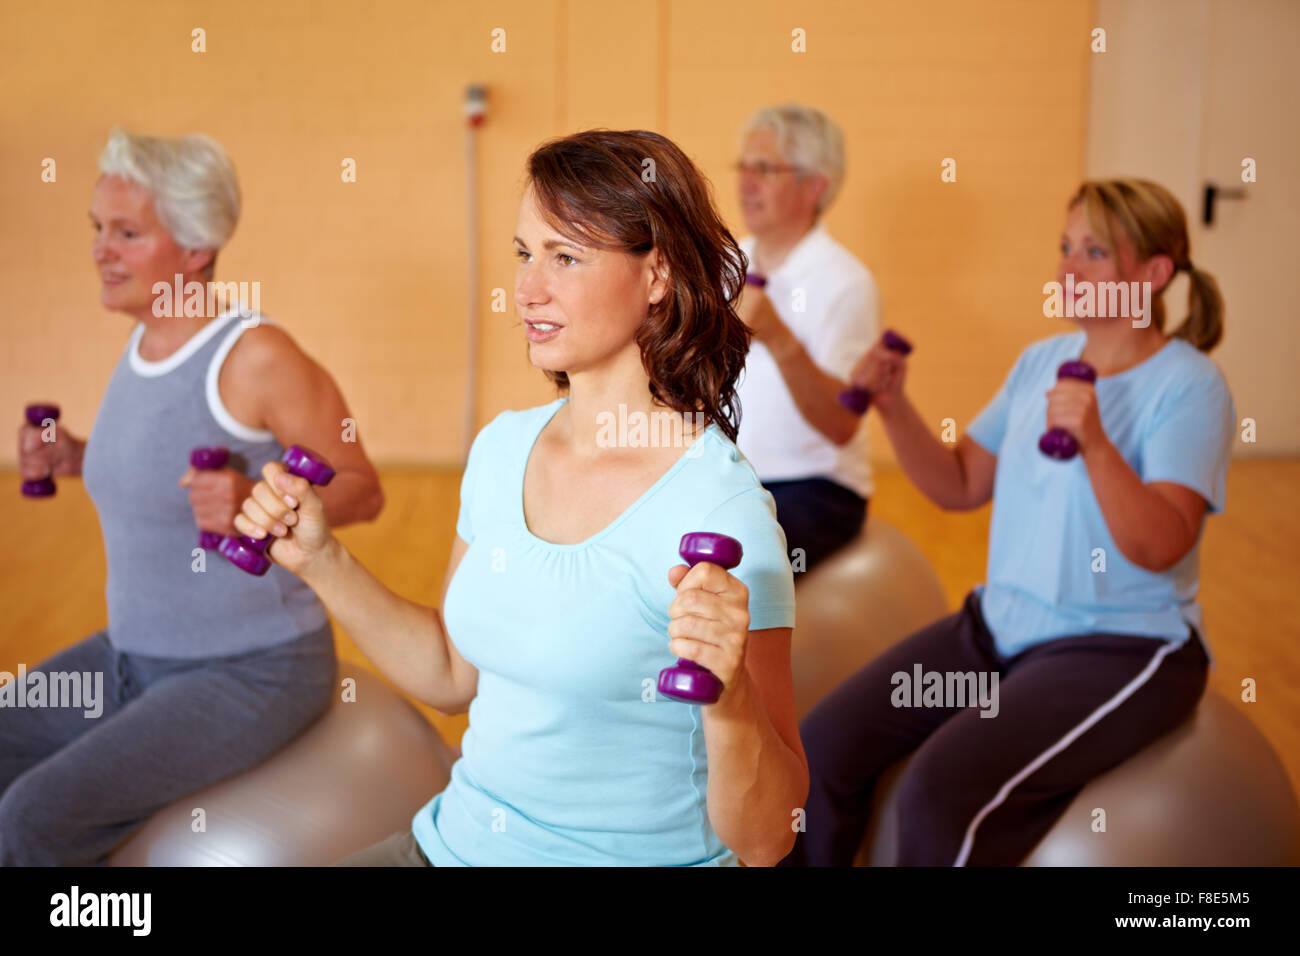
1076 369
896 343
756 280
856 400
209 457
240 552
40 488
37 413
710 546
689 683
305 463
1058 445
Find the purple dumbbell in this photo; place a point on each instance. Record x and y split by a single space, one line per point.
246 553
36 416
756 280
210 459
1057 442
687 681
857 400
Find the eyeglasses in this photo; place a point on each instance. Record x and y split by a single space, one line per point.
765 169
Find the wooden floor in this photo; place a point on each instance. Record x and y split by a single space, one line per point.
52 574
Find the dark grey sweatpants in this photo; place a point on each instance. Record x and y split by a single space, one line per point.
72 787
985 790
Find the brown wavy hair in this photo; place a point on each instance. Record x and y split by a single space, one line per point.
1155 223
634 191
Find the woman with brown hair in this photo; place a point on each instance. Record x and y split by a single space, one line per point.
1087 628
565 595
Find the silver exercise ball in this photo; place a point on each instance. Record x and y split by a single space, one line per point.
866 597
349 780
1211 792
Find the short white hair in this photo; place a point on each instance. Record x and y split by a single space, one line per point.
807 138
192 181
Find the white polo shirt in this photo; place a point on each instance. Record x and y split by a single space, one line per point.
829 301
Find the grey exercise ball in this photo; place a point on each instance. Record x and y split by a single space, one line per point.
1211 792
349 780
864 598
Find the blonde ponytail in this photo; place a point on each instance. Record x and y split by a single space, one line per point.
1203 326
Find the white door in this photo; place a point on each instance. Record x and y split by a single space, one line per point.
1184 94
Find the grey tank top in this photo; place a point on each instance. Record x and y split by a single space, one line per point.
159 604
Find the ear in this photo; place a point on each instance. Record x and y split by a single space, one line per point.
196 260
817 186
1158 270
660 276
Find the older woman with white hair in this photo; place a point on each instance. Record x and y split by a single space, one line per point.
817 310
206 670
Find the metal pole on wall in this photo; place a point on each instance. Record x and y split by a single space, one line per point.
475 112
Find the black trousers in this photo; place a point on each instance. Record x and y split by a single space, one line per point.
817 515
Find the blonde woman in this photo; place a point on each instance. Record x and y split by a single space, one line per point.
1088 662
207 670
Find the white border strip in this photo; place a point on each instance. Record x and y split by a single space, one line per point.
148 369
215 406
1124 693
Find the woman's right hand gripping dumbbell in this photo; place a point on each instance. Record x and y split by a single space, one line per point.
286 507
40 460
881 371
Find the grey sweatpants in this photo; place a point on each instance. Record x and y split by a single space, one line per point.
73 787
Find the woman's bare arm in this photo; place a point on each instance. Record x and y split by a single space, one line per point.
406 641
268 382
956 478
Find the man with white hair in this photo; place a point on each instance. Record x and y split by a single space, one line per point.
816 313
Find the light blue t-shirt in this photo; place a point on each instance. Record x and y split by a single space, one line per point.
1172 419
569 759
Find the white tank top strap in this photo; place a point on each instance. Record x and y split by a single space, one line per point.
147 369
215 405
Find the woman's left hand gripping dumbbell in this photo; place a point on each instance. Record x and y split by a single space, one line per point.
286 507
709 619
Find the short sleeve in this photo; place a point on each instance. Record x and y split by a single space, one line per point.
750 518
847 330
1190 438
990 425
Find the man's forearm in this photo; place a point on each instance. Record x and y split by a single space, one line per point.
351 497
815 393
79 445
